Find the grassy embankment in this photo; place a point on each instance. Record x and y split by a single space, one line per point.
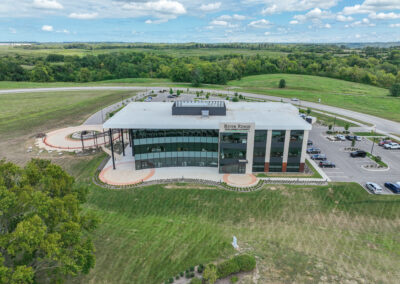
353 96
335 233
348 95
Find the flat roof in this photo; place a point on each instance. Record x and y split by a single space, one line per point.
158 115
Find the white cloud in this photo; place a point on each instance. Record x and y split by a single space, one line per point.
47 4
162 10
12 30
394 25
327 26
342 18
83 16
261 24
384 16
64 31
219 23
47 28
294 22
357 36
230 18
315 15
210 7
371 6
278 6
363 23
267 33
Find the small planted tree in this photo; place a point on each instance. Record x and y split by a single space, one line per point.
171 91
330 127
282 84
395 90
353 143
346 127
210 274
308 111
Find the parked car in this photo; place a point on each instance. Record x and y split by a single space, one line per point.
383 142
350 137
313 150
392 146
359 153
309 143
327 164
373 187
340 137
395 188
319 157
295 100
170 96
358 138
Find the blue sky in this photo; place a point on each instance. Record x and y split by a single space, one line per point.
311 21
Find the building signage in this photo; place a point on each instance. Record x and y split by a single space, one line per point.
236 126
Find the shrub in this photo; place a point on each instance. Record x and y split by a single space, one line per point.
210 274
181 274
395 90
191 268
282 83
235 99
240 263
246 262
196 281
234 279
177 277
171 280
227 268
200 268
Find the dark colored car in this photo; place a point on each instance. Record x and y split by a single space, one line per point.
358 153
350 137
313 151
319 157
309 143
395 188
326 164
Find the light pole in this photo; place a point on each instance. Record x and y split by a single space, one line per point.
373 142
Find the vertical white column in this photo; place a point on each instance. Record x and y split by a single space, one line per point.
304 146
250 149
268 146
286 147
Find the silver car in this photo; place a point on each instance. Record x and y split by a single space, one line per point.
374 188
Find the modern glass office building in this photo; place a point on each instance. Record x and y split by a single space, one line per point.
232 137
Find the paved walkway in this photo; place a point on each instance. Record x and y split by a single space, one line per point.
60 139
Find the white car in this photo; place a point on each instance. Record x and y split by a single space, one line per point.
340 137
375 188
392 146
358 138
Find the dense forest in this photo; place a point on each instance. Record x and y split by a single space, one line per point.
370 65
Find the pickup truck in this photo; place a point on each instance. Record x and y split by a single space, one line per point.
391 146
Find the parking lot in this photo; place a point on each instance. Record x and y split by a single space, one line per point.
350 169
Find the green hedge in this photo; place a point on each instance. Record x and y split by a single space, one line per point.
240 263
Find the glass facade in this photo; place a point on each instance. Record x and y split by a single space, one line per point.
233 152
260 143
294 154
158 148
277 148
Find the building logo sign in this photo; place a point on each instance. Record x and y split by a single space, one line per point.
236 126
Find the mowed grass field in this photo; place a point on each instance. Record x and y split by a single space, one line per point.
348 95
336 233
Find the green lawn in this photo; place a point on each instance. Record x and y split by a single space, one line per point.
336 233
354 96
27 112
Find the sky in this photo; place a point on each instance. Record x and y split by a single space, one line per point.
177 21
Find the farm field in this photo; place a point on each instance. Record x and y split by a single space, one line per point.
335 233
171 51
348 95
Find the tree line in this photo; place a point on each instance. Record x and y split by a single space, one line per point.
376 68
